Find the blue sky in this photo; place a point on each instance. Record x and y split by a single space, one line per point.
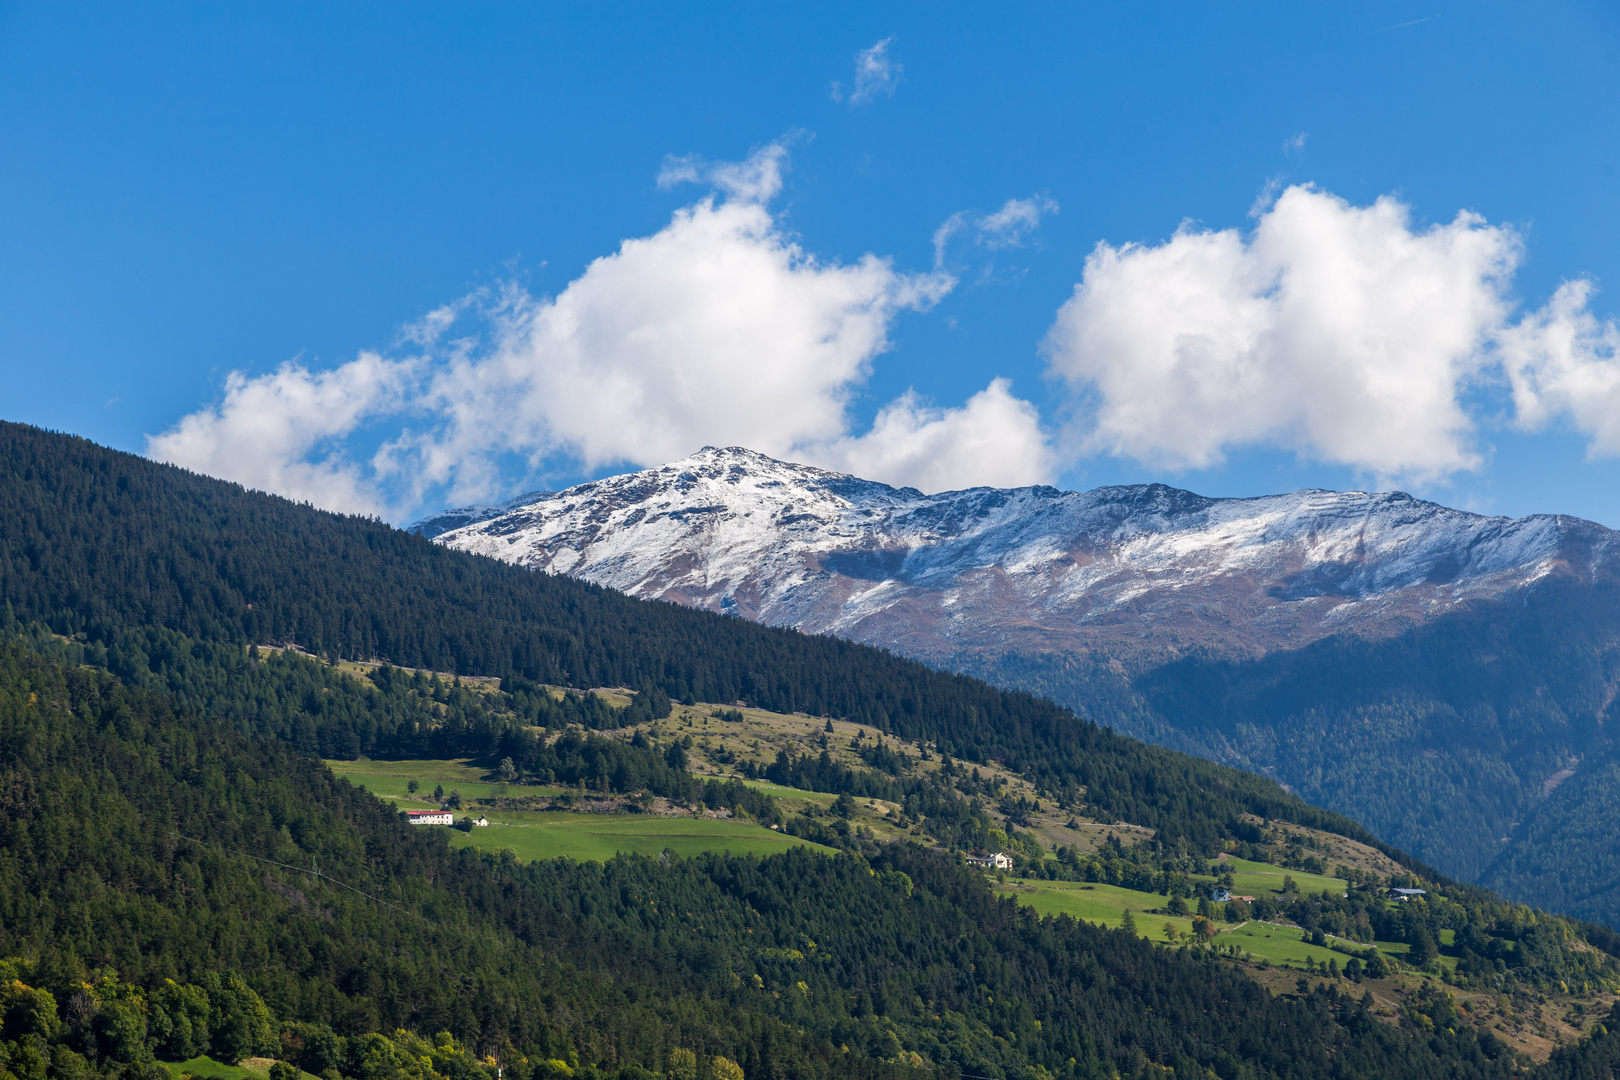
195 197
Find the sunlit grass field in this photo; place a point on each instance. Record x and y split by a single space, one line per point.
777 791
1098 903
390 780
1255 878
1106 905
1280 944
535 835
254 1068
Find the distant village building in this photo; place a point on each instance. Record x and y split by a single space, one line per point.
1404 895
430 817
989 860
480 821
1220 894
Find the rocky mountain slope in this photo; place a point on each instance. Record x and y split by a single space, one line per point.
1143 570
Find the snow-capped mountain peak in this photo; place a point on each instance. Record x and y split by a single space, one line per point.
1023 569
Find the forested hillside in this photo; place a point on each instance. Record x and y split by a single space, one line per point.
101 544
1481 742
171 887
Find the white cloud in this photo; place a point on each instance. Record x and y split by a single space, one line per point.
756 180
876 73
718 329
1563 361
1295 142
1010 227
994 440
1336 331
269 432
1342 333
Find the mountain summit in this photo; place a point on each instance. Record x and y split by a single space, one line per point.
1142 568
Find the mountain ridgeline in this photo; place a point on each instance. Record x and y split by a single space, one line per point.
97 543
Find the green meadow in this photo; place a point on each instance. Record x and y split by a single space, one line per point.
777 791
1097 903
206 1068
1253 878
391 779
1106 905
1280 944
535 835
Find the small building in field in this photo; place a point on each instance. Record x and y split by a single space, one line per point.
1220 894
480 821
430 817
989 860
1404 895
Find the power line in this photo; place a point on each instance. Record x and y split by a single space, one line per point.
299 869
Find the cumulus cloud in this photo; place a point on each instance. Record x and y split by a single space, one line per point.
1346 334
994 440
717 329
876 75
1340 332
277 432
1562 361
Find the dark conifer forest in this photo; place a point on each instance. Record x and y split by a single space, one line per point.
181 875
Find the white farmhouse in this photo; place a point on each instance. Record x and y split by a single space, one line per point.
431 817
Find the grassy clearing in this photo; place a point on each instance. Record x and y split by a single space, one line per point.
362 669
535 835
206 1067
1332 849
555 834
254 1068
777 791
1284 945
1255 879
1097 903
390 779
455 770
1106 905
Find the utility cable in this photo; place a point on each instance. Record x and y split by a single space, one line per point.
301 870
